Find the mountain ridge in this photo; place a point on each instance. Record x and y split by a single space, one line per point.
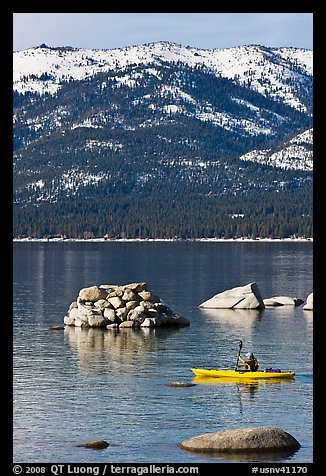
230 62
108 125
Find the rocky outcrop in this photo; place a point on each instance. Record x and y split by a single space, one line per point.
309 305
282 301
242 297
126 306
244 440
249 297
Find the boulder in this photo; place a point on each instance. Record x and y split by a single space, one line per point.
131 305
136 315
282 301
243 440
149 322
127 324
122 313
72 306
309 305
90 316
97 320
92 294
86 315
270 302
148 296
71 316
116 302
242 297
115 325
102 304
108 287
109 314
129 295
136 287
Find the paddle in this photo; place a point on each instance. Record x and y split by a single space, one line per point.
240 347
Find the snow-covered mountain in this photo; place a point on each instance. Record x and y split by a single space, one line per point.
280 75
159 121
274 70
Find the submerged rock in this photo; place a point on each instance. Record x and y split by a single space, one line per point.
242 297
244 440
95 445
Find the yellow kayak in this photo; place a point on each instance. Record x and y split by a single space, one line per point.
243 374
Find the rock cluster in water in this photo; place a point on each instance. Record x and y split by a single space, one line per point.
249 297
129 305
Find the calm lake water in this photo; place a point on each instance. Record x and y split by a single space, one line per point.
78 385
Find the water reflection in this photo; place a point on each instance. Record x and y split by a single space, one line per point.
100 350
107 379
235 316
250 457
282 312
249 383
243 320
309 319
273 457
245 390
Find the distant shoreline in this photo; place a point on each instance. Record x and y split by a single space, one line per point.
163 240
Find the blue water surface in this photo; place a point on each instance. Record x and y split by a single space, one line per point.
78 385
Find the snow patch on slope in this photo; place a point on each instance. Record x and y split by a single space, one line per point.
296 154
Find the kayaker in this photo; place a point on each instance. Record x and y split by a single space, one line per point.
251 363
